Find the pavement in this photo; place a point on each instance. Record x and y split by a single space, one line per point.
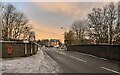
76 62
39 63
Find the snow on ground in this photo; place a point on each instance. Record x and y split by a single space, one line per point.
39 63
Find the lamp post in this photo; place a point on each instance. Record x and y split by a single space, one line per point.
64 34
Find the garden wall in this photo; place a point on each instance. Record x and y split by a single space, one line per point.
106 51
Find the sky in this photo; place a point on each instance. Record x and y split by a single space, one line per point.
48 16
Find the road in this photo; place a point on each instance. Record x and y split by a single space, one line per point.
76 62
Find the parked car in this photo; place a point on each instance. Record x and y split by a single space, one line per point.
63 47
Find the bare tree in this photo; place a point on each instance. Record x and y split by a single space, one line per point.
79 28
13 23
116 33
70 38
95 23
1 27
112 21
20 23
103 23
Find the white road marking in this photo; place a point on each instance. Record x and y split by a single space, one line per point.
110 70
88 55
103 58
63 53
93 56
78 59
82 54
71 56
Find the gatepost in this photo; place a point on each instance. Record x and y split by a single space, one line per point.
0 49
0 42
26 46
26 30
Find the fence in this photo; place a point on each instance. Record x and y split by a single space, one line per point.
106 51
18 49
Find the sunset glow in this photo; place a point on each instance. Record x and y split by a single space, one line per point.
47 18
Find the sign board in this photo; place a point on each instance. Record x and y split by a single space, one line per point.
26 30
26 38
26 41
32 38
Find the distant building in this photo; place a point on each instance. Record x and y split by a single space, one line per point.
45 42
54 43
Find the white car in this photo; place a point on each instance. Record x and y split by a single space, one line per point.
57 46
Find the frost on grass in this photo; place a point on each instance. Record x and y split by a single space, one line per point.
39 63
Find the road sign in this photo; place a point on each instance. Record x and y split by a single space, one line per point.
26 33
26 41
31 35
32 38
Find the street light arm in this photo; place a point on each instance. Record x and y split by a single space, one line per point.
64 34
63 28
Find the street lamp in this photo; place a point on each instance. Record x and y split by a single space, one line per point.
63 28
64 34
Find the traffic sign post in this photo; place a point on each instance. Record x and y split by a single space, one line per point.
31 48
25 49
25 46
26 31
32 39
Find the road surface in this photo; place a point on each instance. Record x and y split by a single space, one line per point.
76 62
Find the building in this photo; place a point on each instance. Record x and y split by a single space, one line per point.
45 42
54 42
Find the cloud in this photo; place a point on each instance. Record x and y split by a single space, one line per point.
59 0
73 10
67 9
45 32
46 29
